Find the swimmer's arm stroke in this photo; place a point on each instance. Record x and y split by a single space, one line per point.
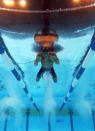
38 59
55 58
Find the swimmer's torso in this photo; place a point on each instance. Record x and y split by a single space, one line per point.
47 61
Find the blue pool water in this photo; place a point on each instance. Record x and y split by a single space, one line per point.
17 112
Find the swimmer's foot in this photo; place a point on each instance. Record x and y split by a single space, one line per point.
55 79
37 79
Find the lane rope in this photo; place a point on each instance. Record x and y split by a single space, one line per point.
80 71
16 73
47 10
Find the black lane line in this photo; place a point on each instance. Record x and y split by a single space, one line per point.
27 119
6 120
71 119
93 118
49 121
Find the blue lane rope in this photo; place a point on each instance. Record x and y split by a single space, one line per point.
16 73
9 55
80 71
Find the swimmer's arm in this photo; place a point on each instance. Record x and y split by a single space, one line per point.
55 58
38 59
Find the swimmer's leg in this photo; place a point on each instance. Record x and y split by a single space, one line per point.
40 73
53 74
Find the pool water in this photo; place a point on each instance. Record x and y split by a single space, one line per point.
20 94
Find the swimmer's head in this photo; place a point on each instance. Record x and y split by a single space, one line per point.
45 52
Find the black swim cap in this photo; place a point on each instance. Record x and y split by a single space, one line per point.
45 50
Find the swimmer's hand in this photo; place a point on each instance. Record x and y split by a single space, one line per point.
35 63
57 61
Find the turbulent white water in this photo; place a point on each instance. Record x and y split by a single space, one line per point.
49 101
